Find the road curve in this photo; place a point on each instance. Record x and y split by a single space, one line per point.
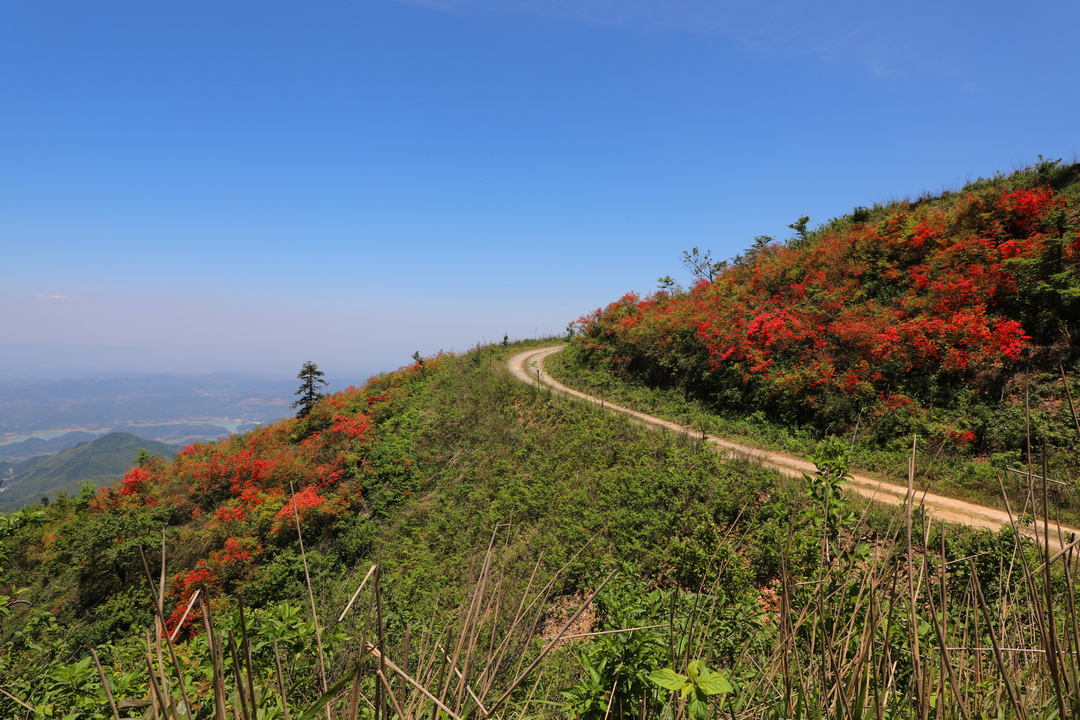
528 366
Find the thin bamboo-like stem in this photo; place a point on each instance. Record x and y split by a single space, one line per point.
248 663
946 660
216 661
551 644
920 688
354 696
1053 648
1068 395
191 604
311 597
238 677
104 684
163 704
161 616
280 680
356 594
386 662
390 694
26 705
1017 706
500 654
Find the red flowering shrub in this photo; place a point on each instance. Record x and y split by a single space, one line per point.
819 330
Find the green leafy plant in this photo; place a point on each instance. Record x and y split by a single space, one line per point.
697 687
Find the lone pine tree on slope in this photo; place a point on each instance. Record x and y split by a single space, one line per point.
309 389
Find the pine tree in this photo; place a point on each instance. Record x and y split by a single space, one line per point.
309 389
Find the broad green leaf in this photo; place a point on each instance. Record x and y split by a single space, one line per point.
714 684
699 710
668 679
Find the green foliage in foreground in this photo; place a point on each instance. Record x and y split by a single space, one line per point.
494 512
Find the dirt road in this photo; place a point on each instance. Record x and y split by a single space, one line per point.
528 367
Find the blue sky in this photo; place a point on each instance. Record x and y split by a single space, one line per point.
199 186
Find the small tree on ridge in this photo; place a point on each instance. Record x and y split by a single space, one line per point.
309 389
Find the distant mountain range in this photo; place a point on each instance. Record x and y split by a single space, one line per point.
159 412
101 461
33 447
88 404
28 407
172 433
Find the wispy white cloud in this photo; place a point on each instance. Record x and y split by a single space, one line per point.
884 40
52 297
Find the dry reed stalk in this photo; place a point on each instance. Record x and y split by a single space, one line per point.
1017 706
248 663
356 594
463 644
1073 639
404 666
390 693
386 662
462 679
439 681
11 697
164 705
354 696
238 676
380 698
612 632
922 703
551 644
311 597
946 660
104 684
280 680
1068 395
191 604
159 622
1053 655
472 628
216 661
498 657
159 611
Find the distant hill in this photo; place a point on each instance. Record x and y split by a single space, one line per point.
179 433
13 452
102 462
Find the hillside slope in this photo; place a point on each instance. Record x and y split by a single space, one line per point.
101 462
939 318
449 476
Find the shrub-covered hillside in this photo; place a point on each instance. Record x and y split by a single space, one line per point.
416 468
923 317
474 517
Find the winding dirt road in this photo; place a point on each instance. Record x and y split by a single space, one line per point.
528 366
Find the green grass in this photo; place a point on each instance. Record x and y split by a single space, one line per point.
939 469
494 510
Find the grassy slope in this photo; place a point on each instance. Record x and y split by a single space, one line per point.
462 449
653 356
